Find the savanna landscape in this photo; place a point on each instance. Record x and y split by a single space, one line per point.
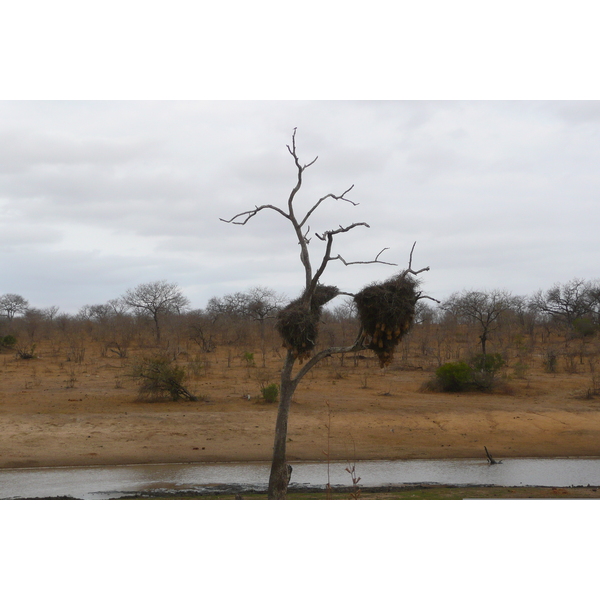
73 389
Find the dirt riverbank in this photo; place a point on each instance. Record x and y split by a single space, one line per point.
54 414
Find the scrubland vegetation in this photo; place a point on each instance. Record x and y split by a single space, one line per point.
473 340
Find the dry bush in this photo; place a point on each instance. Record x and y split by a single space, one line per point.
76 352
160 380
25 352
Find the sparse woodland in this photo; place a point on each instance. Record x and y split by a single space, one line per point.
553 331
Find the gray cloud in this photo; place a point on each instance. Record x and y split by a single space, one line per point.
99 196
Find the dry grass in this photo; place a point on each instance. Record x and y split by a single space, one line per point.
56 409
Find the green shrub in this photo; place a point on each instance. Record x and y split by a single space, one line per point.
8 341
485 367
479 373
270 393
489 363
161 380
453 376
584 327
520 369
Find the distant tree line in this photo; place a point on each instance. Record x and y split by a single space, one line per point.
159 313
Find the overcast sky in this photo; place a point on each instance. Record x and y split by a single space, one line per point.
98 197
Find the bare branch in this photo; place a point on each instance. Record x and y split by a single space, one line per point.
305 235
248 214
357 346
410 269
411 254
365 262
341 229
292 151
428 298
297 160
328 237
312 210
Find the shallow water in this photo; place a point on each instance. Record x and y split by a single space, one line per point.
116 481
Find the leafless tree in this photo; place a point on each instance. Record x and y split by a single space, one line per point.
13 304
232 305
118 306
483 308
156 299
568 302
279 477
95 312
50 312
33 320
263 303
200 326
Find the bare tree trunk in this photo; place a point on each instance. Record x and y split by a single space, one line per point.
279 478
263 346
157 327
483 339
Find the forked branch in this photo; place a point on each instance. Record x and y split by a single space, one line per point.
248 214
292 151
366 262
409 269
340 229
356 347
341 197
328 237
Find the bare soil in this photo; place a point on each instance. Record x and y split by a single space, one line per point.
59 412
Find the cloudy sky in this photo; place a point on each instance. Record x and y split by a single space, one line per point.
99 196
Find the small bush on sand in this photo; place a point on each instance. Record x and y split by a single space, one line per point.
248 357
479 373
26 352
161 380
270 393
452 377
485 369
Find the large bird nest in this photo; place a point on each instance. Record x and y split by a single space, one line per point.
298 324
386 312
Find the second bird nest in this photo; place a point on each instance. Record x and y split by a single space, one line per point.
386 312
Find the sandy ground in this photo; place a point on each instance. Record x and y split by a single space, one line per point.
54 412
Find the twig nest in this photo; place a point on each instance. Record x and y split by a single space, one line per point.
322 295
386 312
298 325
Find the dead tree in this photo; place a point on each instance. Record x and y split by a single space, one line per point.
298 322
491 460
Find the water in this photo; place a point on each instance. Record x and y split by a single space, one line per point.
117 481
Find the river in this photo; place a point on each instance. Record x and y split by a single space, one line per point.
106 482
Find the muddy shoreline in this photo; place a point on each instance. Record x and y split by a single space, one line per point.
392 492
